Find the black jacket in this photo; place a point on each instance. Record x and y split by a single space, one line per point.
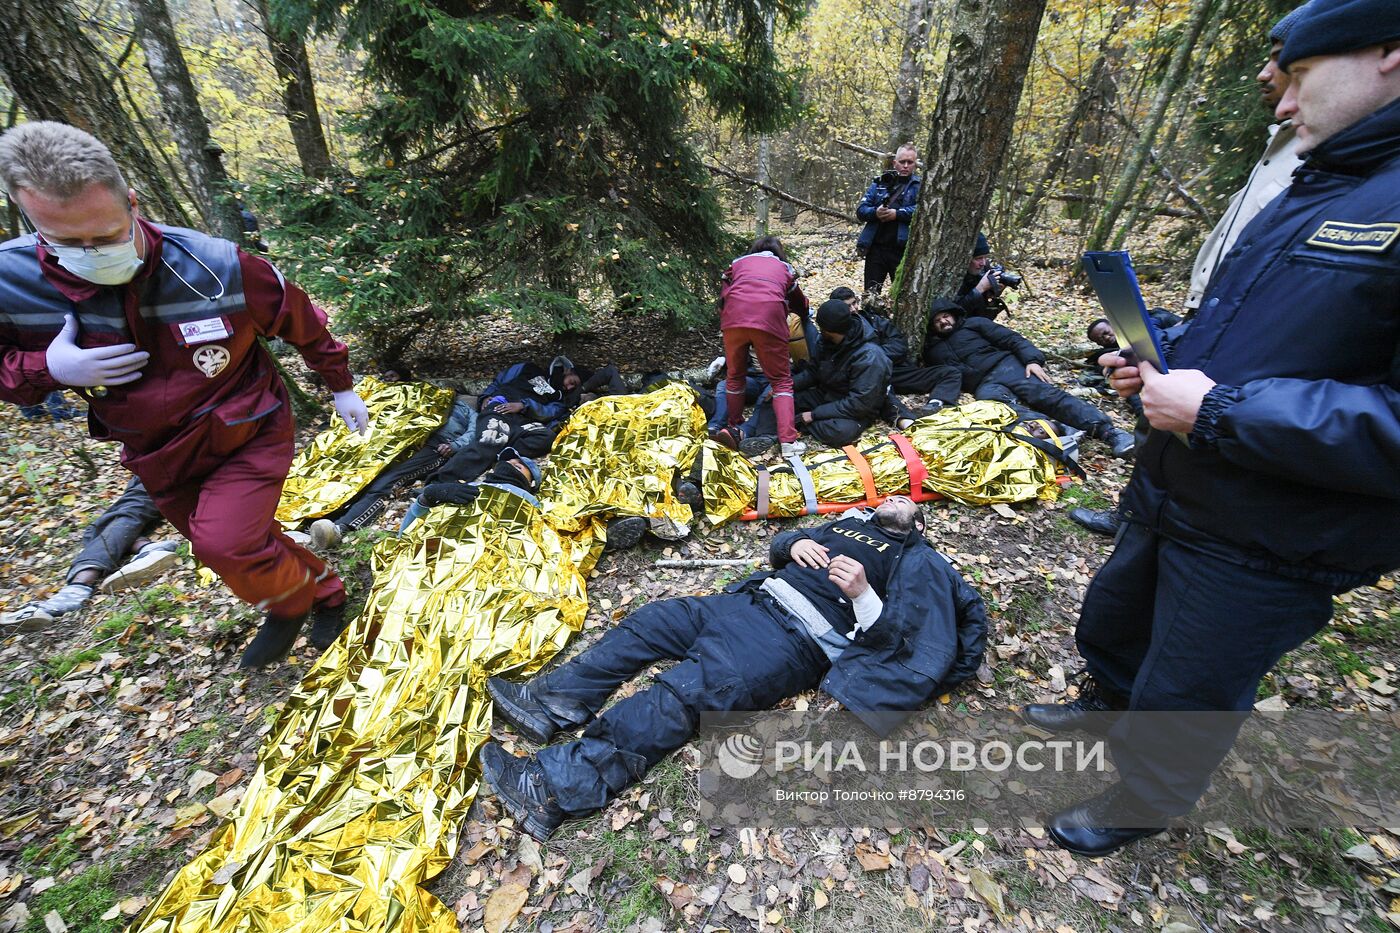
929 638
976 347
887 335
853 376
1294 461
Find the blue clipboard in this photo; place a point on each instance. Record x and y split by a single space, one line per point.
1116 284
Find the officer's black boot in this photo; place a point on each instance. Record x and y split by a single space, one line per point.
1104 824
1090 711
517 705
1099 521
273 642
520 786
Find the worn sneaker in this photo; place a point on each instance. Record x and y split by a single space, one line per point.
793 450
150 562
758 445
327 622
728 437
325 534
520 786
30 618
273 642
516 705
624 533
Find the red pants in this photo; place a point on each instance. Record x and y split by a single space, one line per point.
228 517
773 359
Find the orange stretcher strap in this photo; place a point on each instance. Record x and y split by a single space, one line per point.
918 472
867 479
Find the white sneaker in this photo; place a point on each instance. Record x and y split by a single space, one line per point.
29 618
795 449
325 534
144 567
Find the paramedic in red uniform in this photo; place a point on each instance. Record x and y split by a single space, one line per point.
158 328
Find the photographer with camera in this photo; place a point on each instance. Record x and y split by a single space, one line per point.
887 208
980 294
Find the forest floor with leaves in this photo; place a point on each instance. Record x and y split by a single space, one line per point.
127 732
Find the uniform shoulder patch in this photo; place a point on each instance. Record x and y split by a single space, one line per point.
1355 238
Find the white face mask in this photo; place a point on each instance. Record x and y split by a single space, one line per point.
100 265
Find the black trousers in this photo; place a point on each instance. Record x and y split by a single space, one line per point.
834 432
733 652
941 382
1175 629
108 540
363 508
881 261
1008 382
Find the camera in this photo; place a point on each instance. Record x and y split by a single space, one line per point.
1004 278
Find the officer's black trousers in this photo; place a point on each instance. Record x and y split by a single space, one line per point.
1173 628
732 652
1008 382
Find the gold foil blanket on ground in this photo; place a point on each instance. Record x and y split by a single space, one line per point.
370 769
968 458
618 455
338 463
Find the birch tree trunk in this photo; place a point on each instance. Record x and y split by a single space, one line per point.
56 73
179 100
904 119
1199 16
989 51
298 94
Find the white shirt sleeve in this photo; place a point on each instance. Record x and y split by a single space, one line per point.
867 606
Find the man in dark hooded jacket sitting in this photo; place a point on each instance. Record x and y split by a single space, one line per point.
838 396
863 607
999 364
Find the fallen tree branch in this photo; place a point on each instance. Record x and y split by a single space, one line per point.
697 563
780 194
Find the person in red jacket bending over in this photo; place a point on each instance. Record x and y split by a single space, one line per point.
158 328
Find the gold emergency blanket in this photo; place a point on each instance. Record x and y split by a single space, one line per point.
371 768
338 463
967 457
617 456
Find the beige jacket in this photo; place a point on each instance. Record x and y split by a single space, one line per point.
1272 174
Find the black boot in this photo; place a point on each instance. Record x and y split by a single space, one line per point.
1091 711
520 786
1099 521
273 642
624 533
1121 443
1104 824
516 704
327 622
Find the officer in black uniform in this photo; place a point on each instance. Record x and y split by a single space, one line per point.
1286 490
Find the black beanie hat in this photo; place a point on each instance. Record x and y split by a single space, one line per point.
834 316
982 247
1335 27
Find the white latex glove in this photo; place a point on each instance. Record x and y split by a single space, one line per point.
352 409
71 365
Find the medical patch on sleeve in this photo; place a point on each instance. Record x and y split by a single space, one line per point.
1355 238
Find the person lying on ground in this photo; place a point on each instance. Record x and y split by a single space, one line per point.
837 398
863 607
999 364
456 433
117 553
